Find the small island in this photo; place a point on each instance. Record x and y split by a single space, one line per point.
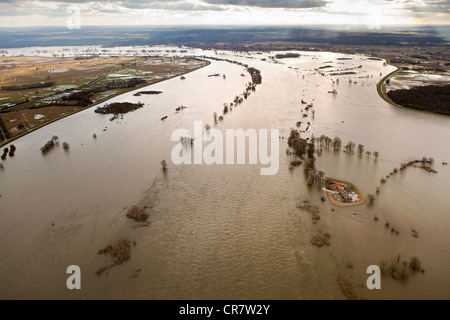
119 108
138 94
342 193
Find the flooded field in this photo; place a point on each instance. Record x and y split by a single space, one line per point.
410 79
63 85
226 231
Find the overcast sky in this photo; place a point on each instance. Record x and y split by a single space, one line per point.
372 13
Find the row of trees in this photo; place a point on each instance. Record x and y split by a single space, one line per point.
16 87
350 147
254 73
52 143
301 148
238 99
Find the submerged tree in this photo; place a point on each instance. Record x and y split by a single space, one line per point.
376 154
310 151
326 140
310 175
350 147
308 165
370 199
225 108
337 144
360 149
298 144
415 264
164 165
319 177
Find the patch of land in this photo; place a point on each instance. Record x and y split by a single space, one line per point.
342 193
431 98
35 91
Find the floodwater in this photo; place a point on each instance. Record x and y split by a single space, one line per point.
408 79
225 231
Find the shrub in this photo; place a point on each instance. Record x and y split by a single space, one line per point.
137 214
295 163
164 165
384 266
415 264
370 199
403 273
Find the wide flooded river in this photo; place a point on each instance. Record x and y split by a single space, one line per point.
226 231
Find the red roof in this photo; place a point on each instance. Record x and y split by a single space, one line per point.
338 186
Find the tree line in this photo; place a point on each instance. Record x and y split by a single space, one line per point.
431 98
16 87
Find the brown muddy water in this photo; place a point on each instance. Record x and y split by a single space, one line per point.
225 231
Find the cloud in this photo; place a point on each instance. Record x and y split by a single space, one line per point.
430 6
179 5
58 7
131 4
291 4
223 11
